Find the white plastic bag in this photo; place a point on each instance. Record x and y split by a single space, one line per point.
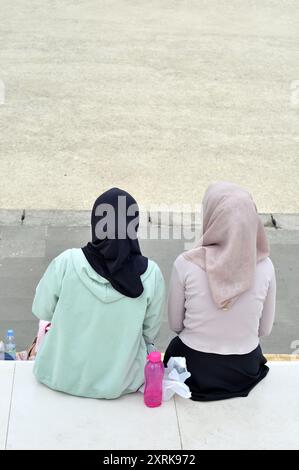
174 379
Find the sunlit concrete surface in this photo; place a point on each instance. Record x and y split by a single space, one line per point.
160 98
267 419
41 418
7 370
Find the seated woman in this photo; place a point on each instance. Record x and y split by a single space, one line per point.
104 302
222 298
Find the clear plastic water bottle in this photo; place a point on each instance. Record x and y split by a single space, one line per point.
154 373
10 346
2 351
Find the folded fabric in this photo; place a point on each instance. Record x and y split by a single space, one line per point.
30 353
43 328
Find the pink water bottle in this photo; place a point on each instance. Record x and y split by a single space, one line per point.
154 372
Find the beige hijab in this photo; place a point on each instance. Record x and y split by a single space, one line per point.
233 242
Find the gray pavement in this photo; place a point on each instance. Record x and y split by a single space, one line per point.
26 249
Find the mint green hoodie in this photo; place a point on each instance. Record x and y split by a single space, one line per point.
96 346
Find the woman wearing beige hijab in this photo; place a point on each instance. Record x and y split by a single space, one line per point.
222 298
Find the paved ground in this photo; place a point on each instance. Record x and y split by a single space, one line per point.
267 419
26 250
158 97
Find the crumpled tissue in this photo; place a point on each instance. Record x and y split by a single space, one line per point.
175 375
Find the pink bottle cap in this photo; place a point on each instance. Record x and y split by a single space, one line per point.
154 356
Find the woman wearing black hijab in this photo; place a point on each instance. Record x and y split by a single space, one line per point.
105 304
117 258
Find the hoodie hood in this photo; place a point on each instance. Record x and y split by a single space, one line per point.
98 285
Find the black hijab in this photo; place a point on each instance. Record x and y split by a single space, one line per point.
114 251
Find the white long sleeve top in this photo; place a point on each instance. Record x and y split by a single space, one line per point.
202 326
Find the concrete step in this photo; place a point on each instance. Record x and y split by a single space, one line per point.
35 417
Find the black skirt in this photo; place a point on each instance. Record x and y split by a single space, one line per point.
219 376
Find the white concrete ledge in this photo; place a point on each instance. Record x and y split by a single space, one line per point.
7 370
34 417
